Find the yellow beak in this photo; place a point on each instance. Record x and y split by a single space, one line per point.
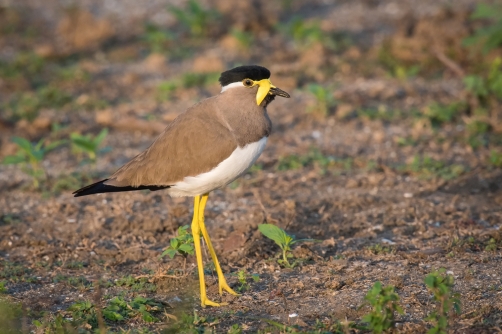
266 87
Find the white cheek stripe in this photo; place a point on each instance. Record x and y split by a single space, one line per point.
232 85
227 171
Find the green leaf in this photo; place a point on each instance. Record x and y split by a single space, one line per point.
484 11
456 306
140 300
430 280
186 248
37 155
84 144
169 252
476 85
22 143
53 145
112 315
100 137
13 159
147 317
76 135
433 330
442 322
273 232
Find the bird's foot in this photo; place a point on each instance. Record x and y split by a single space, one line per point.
224 286
206 302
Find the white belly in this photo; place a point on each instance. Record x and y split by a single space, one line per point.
227 171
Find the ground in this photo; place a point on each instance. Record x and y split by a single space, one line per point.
382 157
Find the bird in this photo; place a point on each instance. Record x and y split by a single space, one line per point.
204 148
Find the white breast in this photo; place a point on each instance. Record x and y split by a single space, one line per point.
227 171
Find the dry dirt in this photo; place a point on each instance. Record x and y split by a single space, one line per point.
374 220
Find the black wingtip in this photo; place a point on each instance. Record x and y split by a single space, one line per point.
100 187
95 188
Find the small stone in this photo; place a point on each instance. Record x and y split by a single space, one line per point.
352 183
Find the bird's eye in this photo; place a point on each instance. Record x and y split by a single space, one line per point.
247 82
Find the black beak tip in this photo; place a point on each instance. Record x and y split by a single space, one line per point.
279 92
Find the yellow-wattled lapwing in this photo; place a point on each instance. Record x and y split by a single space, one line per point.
206 147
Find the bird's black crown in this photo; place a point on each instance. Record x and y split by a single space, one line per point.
253 72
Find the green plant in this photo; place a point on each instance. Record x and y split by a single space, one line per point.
30 157
79 282
384 305
441 285
283 240
87 143
191 324
182 244
165 90
3 289
11 317
496 158
490 36
23 106
15 272
244 38
305 33
275 325
427 167
313 157
488 87
26 105
406 141
195 18
378 249
491 245
136 284
65 182
72 73
396 67
235 329
83 314
189 80
23 65
325 101
439 114
119 309
243 277
10 218
381 113
156 38
52 97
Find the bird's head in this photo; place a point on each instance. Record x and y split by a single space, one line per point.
254 77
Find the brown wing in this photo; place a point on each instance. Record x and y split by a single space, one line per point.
194 143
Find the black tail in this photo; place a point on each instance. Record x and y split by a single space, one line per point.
100 187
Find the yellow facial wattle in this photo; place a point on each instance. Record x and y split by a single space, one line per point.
263 89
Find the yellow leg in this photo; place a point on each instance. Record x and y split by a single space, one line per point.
198 252
222 283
